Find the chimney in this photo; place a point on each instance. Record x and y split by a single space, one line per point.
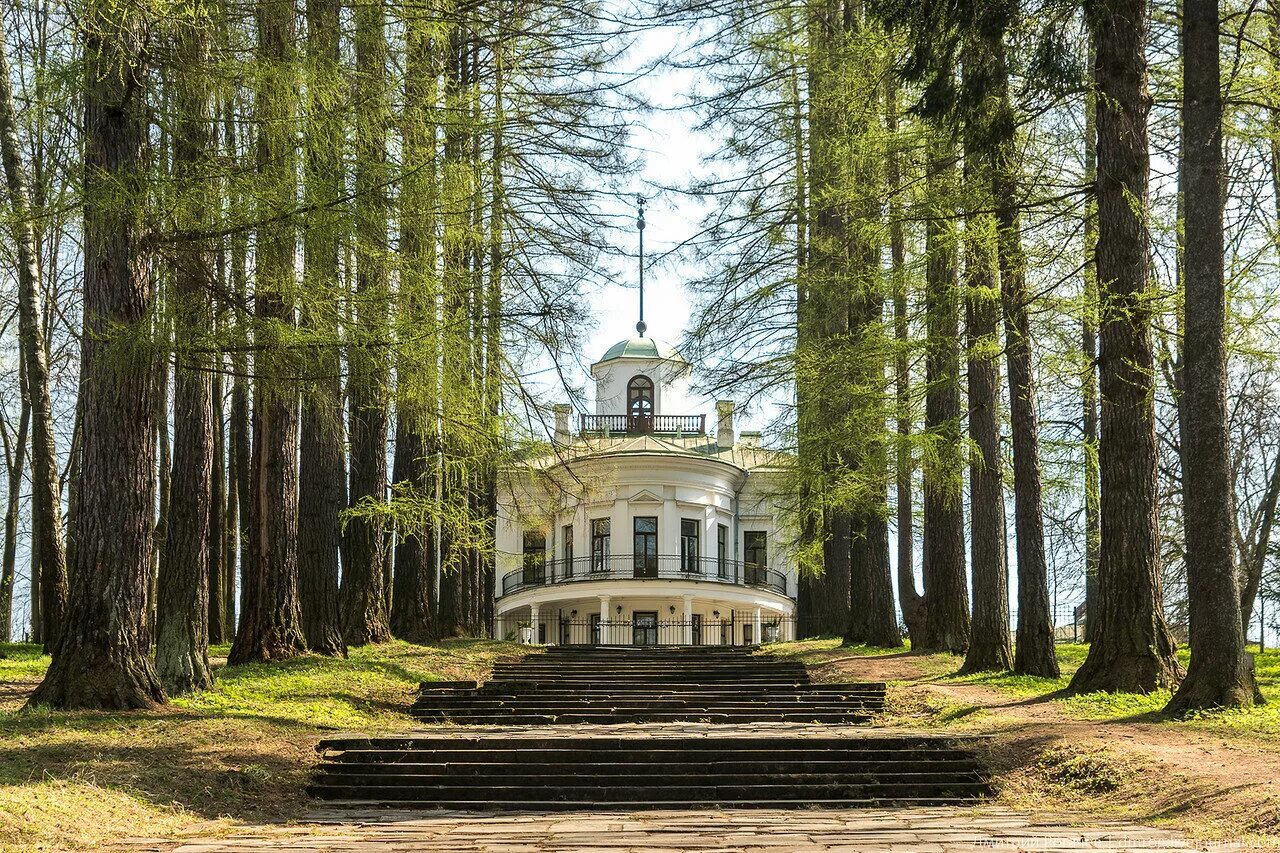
724 424
562 411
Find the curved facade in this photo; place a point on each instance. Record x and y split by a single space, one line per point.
641 526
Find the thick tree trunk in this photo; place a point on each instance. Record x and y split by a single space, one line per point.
323 470
989 647
364 599
413 598
46 503
1132 649
101 658
270 625
946 587
1221 672
182 611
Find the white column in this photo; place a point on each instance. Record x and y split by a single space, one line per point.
533 623
604 619
688 620
755 632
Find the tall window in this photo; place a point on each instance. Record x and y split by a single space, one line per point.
645 546
640 397
755 553
722 550
567 550
535 556
599 544
689 537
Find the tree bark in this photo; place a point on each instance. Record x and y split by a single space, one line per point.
1221 673
989 647
182 607
270 626
217 585
1132 650
364 601
1089 380
1034 653
946 587
101 658
323 470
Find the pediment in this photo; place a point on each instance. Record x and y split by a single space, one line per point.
644 496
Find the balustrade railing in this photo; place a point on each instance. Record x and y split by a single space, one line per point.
561 629
640 424
662 566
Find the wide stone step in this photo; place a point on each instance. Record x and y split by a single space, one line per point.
623 792
545 771
639 755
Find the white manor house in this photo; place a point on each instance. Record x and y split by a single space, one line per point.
641 526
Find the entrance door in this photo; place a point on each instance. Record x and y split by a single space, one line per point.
645 547
595 629
644 629
697 629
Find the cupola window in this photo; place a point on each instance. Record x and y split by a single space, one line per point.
640 397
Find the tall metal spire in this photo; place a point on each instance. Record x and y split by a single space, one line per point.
640 326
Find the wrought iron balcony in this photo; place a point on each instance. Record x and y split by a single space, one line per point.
627 567
641 424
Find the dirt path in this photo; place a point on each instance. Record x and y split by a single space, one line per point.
1227 779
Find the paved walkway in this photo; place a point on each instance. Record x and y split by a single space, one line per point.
923 830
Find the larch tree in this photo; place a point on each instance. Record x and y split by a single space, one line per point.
364 591
1220 673
271 625
102 657
322 473
1132 649
182 606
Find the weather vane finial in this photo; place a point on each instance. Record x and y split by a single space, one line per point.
640 326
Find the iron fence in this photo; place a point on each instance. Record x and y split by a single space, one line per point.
640 424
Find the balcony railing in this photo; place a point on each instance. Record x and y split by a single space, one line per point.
628 566
641 424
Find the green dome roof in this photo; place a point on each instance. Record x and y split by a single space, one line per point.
642 348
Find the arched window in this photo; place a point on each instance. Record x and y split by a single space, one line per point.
640 397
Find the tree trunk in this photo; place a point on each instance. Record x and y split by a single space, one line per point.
218 632
46 503
270 626
1132 650
989 647
413 598
364 601
1089 380
15 454
1034 653
323 471
1221 673
182 611
910 601
946 587
101 658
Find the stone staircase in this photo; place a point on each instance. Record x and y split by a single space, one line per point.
497 773
629 684
716 727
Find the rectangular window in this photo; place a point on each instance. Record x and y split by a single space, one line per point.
755 555
599 544
689 539
722 550
566 565
535 556
645 546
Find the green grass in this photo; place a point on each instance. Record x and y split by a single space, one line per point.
239 752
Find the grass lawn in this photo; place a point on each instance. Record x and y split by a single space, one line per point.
238 753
